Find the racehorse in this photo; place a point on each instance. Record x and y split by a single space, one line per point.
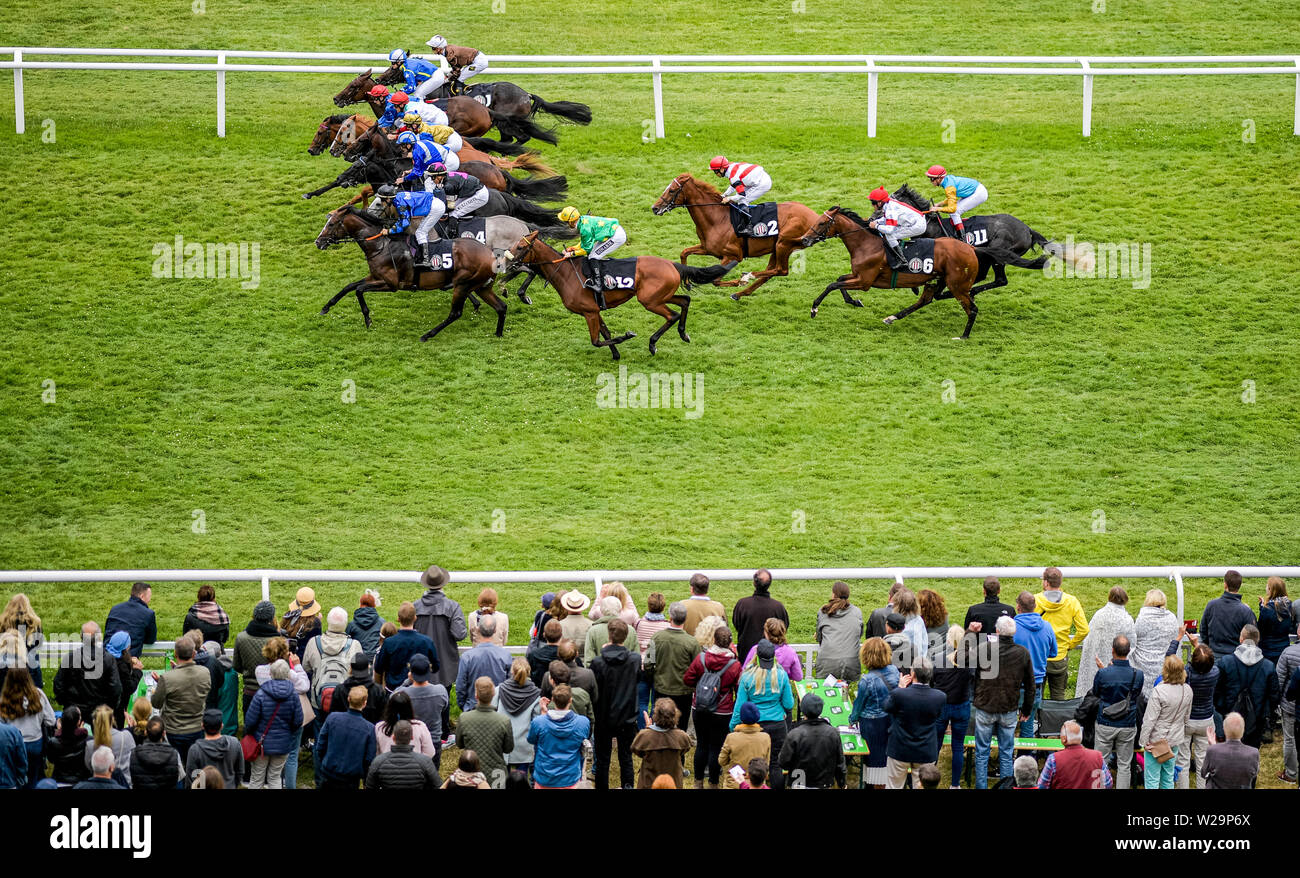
718 238
655 287
391 267
326 133
466 115
510 99
514 123
954 262
368 137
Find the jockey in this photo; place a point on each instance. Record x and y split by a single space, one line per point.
394 108
598 237
464 194
747 182
463 61
900 220
417 211
444 136
429 113
417 72
424 155
960 194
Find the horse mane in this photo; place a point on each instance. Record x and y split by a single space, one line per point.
844 211
337 118
908 195
705 185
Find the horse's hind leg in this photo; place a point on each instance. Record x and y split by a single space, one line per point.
972 311
497 305
682 301
670 317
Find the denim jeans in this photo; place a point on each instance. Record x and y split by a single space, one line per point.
644 697
1160 775
985 725
290 779
959 716
1029 727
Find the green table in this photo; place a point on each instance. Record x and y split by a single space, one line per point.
836 711
1046 745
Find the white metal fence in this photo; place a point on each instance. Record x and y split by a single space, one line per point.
656 66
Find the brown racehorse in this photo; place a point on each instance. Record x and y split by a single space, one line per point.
712 221
954 261
368 137
325 134
514 119
466 115
391 268
656 285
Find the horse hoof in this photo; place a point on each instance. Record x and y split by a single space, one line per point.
324 311
814 313
856 303
523 297
959 338
890 319
735 297
686 338
652 350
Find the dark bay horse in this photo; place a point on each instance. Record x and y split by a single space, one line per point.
466 115
954 262
369 138
510 99
391 267
713 227
514 122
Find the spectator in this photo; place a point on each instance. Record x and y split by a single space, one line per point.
876 621
987 612
102 764
647 627
387 630
301 622
570 611
346 746
226 685
812 755
540 619
274 719
441 619
376 694
467 775
1075 767
1292 692
617 671
248 647
1109 622
367 624
671 653
134 617
869 709
704 631
429 700
1277 620
327 658
715 675
397 709
915 709
1168 707
839 634
580 676
181 696
141 713
489 734
518 780
664 782
24 706
65 748
155 764
87 677
934 615
756 776
749 616
786 657
954 676
699 604
217 751
1035 635
1026 773
618 590
274 650
400 767
541 655
395 653
913 626
766 685
1225 616
487 606
130 671
1248 686
104 733
20 618
1231 765
557 737
207 616
1118 689
929 776
598 633
13 759
1063 613
1287 663
1156 630
519 700
561 674
209 779
1203 677
743 746
999 690
901 651
662 745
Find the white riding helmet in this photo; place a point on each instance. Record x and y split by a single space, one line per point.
397 56
437 42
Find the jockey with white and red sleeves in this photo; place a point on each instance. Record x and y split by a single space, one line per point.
898 219
747 182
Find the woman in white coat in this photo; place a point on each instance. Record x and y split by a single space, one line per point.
1106 624
1155 630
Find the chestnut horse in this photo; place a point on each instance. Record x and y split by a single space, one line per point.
366 137
466 115
656 285
713 226
391 268
326 133
954 262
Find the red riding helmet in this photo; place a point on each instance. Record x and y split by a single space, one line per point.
379 91
936 171
879 194
718 163
400 98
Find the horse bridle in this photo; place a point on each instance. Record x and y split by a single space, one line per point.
821 236
675 188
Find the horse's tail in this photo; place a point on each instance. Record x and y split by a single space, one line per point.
538 188
521 129
1009 257
692 275
1083 260
487 144
529 161
529 212
571 110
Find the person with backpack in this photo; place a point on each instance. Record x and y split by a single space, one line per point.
715 674
1248 686
1118 689
336 700
327 658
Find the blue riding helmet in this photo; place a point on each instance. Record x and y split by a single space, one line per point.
406 137
397 56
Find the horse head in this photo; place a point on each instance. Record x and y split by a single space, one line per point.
323 135
355 91
344 137
334 231
522 249
821 230
391 75
672 192
908 195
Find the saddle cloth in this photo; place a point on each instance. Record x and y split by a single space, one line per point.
918 256
977 233
480 91
441 260
473 227
619 274
761 222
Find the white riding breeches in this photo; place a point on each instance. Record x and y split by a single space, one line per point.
609 245
474 68
466 206
426 226
908 227
436 81
455 143
970 202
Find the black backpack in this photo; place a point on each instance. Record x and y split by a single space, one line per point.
708 691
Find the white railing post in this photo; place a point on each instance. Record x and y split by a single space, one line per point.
898 577
266 587
221 96
20 124
599 583
1087 100
659 99
1177 576
872 79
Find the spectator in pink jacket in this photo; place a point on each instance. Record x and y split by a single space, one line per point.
786 657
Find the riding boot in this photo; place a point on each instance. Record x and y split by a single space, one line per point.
899 261
453 227
960 229
426 256
455 87
597 282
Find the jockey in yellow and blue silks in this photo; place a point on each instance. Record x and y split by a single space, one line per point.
442 135
960 194
416 71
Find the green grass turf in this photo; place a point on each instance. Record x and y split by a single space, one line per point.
1072 396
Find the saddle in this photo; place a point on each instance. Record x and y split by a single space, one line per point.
977 233
473 227
759 222
441 260
617 274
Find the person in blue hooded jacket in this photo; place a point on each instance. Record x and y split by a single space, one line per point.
557 736
366 623
1035 635
273 716
1225 616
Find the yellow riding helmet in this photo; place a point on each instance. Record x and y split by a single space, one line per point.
569 215
412 120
